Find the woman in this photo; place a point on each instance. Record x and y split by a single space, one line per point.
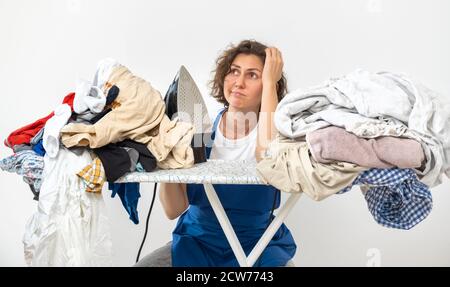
249 82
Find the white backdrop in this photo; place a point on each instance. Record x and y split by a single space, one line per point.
46 45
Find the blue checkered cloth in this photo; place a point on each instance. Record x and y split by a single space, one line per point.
396 198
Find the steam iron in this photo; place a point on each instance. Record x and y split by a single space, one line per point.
184 101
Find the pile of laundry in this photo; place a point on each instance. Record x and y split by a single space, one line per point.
382 131
106 128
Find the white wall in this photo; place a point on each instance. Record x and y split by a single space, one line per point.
46 45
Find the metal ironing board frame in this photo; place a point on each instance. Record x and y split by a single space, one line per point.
222 172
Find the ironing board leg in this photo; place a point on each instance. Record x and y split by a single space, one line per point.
225 224
231 235
272 229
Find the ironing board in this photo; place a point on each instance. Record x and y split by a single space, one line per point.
221 172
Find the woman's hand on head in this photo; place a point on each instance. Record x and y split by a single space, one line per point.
273 66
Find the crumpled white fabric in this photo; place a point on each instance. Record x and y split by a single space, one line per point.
52 130
372 105
88 98
71 227
104 69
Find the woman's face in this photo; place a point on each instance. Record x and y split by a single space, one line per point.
243 85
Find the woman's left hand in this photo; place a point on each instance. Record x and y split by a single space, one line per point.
273 66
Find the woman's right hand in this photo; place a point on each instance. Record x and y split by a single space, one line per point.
273 66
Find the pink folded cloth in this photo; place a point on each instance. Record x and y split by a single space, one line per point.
336 144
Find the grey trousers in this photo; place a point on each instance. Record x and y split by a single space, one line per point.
162 257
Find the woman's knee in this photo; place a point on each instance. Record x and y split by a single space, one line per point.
290 263
161 257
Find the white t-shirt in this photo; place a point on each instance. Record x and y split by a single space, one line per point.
238 149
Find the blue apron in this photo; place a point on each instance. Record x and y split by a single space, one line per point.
198 239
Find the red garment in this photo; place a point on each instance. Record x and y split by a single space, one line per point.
26 133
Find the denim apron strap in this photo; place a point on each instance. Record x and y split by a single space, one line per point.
213 134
